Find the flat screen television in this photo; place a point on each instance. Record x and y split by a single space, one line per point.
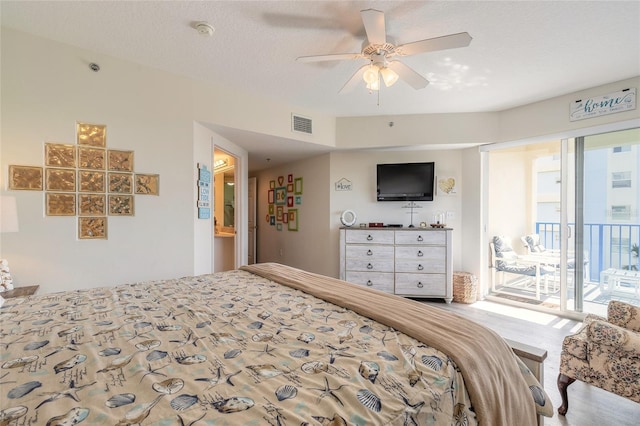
405 182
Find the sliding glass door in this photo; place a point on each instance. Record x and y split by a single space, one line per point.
569 209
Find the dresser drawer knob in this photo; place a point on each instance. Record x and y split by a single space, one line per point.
420 285
369 238
369 253
420 267
420 238
420 253
369 283
369 266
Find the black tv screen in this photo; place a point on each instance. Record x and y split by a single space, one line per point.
405 182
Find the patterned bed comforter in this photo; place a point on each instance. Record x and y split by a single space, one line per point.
230 348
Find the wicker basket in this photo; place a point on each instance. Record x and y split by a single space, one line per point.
464 287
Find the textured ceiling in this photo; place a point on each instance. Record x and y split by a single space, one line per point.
521 52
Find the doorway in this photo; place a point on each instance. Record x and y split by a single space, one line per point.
224 210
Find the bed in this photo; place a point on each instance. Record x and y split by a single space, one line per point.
264 345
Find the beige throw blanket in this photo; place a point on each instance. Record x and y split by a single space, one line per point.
498 391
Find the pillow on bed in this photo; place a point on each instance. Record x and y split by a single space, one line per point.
542 400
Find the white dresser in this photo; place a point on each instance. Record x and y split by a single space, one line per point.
411 262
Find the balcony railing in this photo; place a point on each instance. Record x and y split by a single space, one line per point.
606 245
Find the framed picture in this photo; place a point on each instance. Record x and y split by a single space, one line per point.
89 181
281 196
91 134
59 155
289 187
297 186
60 180
272 184
290 201
121 205
147 184
279 213
271 209
279 226
25 177
298 199
292 225
271 196
121 183
92 204
92 158
92 228
290 178
60 204
120 161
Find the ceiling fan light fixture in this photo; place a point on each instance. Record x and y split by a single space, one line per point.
370 75
374 86
389 76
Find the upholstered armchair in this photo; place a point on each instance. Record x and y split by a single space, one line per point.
605 352
504 260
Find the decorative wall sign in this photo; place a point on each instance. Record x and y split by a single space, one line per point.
447 186
147 184
90 181
25 178
615 102
91 134
92 228
86 163
60 204
204 187
92 158
343 185
60 180
59 155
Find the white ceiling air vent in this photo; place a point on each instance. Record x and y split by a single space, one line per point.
301 124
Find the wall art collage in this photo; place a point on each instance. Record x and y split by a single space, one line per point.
282 199
86 180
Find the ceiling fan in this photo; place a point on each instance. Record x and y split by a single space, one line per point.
381 52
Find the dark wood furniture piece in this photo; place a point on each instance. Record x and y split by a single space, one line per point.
20 291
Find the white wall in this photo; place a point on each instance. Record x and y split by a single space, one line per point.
47 87
359 167
311 246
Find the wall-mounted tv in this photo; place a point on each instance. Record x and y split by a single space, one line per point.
405 182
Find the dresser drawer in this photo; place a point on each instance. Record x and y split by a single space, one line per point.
421 285
368 236
425 253
369 251
369 265
379 281
423 266
421 237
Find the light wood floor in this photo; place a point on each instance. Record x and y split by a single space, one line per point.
587 405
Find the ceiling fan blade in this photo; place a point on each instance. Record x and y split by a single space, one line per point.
374 26
335 57
414 79
433 44
354 80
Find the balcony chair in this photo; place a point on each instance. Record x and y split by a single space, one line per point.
551 256
505 260
605 352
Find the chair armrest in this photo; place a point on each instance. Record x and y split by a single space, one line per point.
607 334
